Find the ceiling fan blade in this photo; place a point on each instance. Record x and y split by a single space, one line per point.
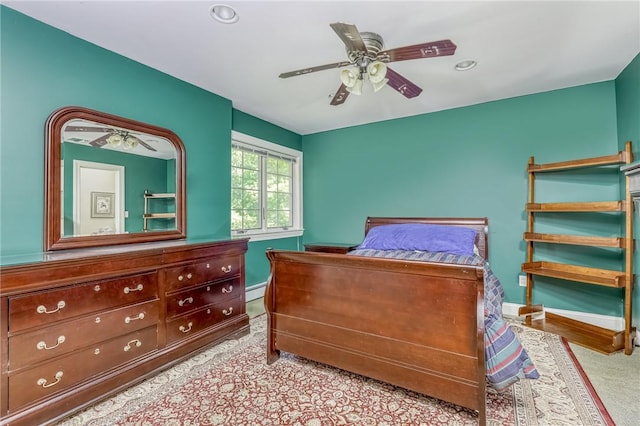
87 129
340 96
417 51
101 141
349 35
146 145
314 69
402 85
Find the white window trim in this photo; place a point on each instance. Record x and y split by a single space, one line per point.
297 229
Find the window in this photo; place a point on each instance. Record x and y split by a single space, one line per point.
266 189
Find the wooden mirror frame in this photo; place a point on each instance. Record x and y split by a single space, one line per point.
53 239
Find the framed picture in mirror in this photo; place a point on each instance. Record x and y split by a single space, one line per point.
102 204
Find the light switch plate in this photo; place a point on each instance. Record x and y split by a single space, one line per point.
522 280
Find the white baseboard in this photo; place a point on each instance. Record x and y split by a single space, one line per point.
256 291
604 321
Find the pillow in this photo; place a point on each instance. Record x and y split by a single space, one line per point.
419 236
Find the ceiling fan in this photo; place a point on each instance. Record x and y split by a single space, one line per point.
366 57
112 136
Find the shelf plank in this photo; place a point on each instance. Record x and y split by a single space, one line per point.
591 206
584 334
584 274
619 158
159 215
613 242
526 310
160 195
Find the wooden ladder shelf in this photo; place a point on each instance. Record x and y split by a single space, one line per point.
588 335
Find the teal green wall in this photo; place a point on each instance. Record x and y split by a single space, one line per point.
468 162
257 264
38 76
628 112
252 126
628 105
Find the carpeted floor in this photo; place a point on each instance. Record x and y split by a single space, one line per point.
231 384
616 379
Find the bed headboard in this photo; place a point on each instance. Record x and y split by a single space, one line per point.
479 224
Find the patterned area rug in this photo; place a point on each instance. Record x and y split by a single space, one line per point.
231 384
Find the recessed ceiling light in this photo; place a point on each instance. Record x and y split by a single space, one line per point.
466 65
223 13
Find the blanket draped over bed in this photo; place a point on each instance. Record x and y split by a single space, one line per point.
506 360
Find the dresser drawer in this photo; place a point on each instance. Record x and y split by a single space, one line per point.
47 307
54 377
64 337
202 272
204 295
187 325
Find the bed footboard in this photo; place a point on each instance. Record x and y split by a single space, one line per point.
416 325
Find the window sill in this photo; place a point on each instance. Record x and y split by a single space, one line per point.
270 235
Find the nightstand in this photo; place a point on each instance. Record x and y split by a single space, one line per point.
341 248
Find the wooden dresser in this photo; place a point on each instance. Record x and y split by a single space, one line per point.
79 326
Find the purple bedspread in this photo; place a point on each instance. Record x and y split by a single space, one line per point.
506 360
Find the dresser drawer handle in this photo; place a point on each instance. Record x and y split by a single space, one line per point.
96 288
140 316
128 290
43 382
189 276
135 342
228 289
229 312
43 345
226 269
42 310
185 301
184 329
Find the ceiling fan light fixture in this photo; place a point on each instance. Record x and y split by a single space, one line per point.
224 13
466 65
356 89
377 71
115 139
350 76
365 49
130 142
380 84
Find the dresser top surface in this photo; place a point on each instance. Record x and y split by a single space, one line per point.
56 256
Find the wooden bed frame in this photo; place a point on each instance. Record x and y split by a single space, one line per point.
412 324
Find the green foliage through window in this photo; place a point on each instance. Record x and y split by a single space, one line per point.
261 190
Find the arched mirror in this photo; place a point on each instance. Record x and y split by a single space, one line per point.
110 180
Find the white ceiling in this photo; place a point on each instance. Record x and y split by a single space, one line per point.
522 47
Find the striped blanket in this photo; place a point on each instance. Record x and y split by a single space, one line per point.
506 360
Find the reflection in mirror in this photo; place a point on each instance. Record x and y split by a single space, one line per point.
111 180
102 164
